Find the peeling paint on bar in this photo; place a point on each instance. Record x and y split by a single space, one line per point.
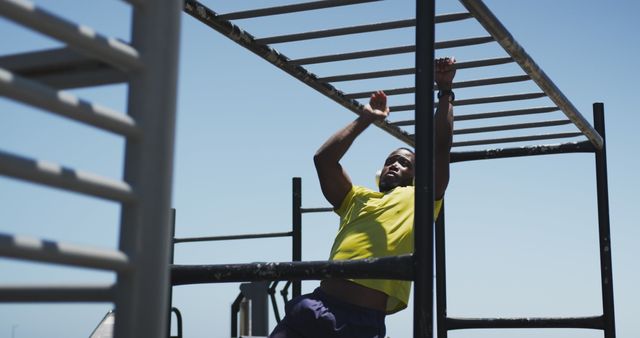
395 267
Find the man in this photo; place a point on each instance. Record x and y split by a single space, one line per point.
372 224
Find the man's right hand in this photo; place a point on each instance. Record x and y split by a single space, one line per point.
377 108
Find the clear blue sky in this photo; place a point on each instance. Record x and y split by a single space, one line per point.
522 233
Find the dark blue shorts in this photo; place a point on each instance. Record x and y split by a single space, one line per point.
318 315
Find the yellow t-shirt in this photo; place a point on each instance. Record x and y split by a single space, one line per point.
376 224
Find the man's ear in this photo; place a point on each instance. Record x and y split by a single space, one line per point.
378 173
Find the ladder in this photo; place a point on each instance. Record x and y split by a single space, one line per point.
149 65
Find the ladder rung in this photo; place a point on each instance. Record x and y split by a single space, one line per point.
39 250
54 175
110 50
516 139
595 322
56 293
65 104
62 68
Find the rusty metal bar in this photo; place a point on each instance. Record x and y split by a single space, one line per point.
489 21
516 139
307 6
564 148
395 267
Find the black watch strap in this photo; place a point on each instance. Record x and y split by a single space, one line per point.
449 92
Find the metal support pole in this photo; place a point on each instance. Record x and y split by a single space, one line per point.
441 276
424 170
297 230
606 274
170 307
145 235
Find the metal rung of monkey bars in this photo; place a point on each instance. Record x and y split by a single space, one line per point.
462 84
549 149
358 29
512 127
286 9
480 100
516 139
65 104
506 113
110 50
56 293
389 51
410 71
487 115
29 248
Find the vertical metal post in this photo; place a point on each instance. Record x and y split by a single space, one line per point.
145 236
441 276
296 237
606 274
171 256
424 170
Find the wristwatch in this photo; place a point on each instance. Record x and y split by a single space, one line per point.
442 92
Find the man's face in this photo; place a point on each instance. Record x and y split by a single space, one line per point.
397 170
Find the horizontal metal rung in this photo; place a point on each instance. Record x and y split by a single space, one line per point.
307 6
392 267
512 127
357 29
546 149
56 293
368 75
464 84
85 39
54 175
410 71
595 322
505 113
62 68
491 81
65 104
232 237
388 51
483 63
394 91
38 250
492 99
310 210
338 31
516 139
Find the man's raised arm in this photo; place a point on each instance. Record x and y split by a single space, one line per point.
443 123
334 180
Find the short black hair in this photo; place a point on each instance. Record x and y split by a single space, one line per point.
407 149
